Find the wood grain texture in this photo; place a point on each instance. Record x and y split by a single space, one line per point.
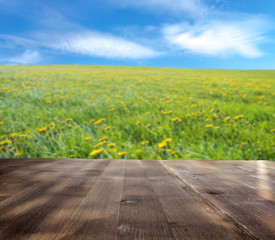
242 190
133 199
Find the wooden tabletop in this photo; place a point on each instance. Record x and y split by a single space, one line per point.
133 199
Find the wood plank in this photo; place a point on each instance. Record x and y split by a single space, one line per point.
133 199
141 216
22 214
96 216
189 217
238 189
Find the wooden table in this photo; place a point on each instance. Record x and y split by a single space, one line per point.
133 199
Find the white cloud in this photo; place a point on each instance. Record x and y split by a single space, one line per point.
28 57
218 37
100 45
191 7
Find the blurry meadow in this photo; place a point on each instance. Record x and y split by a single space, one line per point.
136 113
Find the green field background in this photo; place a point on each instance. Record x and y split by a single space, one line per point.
136 113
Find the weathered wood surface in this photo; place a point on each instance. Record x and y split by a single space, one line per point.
133 199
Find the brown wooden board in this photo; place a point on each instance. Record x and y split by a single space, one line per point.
241 190
133 199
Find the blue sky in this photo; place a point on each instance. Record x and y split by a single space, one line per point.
237 34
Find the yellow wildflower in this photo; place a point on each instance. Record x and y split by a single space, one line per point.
13 135
227 118
100 121
112 150
138 122
167 140
273 131
238 117
122 153
87 138
18 154
148 125
2 122
103 139
43 129
243 143
111 145
144 142
176 119
2 148
5 142
166 150
101 143
217 127
23 135
107 128
73 156
4 136
52 124
96 152
69 126
162 144
209 125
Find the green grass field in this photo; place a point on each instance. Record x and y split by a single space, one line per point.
136 113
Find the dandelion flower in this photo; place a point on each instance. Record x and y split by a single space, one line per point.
167 140
144 142
101 143
52 124
5 142
122 153
13 135
112 150
96 152
2 148
100 121
238 117
87 138
111 145
18 154
162 145
227 118
103 139
43 129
